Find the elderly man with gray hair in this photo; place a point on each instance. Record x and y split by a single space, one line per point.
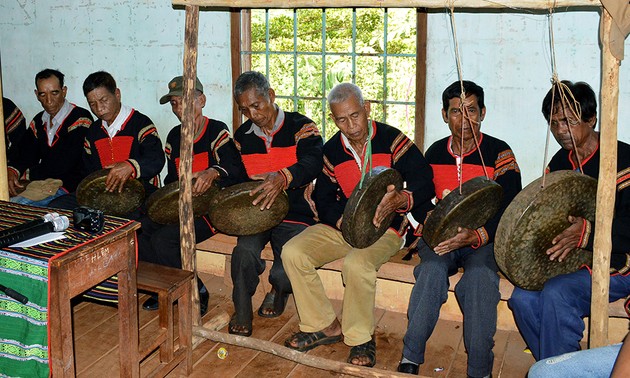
344 163
283 150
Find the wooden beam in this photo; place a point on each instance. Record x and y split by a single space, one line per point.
421 77
606 186
235 57
293 355
440 4
186 221
4 180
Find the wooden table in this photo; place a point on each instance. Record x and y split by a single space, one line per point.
77 271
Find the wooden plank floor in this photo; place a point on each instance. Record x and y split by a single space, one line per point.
96 343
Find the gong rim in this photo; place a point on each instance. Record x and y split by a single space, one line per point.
91 193
357 227
534 218
163 204
231 210
480 199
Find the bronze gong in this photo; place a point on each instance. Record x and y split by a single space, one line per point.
479 200
163 204
357 227
534 218
91 192
232 212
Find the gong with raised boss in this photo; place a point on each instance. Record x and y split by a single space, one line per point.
471 207
534 218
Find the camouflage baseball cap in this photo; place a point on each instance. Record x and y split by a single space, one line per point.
176 88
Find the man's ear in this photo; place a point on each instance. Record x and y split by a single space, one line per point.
272 95
444 116
368 108
483 114
202 100
592 122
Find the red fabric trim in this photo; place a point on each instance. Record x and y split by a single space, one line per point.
478 244
408 207
445 176
584 160
203 130
295 222
449 145
200 162
582 233
348 174
286 179
134 173
114 150
274 160
127 120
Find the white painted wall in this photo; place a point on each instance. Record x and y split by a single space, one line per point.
141 43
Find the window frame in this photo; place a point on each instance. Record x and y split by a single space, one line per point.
241 61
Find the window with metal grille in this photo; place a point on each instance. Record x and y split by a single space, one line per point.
306 52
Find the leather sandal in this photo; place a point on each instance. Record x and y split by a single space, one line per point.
273 305
364 350
308 340
239 328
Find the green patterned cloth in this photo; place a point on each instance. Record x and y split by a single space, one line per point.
24 327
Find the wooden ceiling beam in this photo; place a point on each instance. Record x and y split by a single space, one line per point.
439 4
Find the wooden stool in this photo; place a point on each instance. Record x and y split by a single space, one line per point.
171 285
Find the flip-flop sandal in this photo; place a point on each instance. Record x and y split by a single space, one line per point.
234 323
364 350
274 303
309 340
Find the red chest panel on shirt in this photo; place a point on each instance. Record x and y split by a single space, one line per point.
274 160
114 150
348 174
445 176
200 162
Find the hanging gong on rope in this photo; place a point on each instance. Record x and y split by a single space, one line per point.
163 204
536 216
231 210
357 227
479 200
92 192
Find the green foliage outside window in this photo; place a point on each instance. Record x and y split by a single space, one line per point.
306 52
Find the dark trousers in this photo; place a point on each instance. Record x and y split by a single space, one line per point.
551 320
160 244
247 265
477 293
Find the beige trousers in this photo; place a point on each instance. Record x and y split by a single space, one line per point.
321 244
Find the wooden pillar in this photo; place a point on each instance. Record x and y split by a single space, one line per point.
187 226
4 182
605 189
235 48
421 77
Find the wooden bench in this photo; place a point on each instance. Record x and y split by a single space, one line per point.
171 285
395 280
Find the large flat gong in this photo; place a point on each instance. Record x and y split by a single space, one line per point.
91 192
357 227
479 200
232 212
163 204
534 218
